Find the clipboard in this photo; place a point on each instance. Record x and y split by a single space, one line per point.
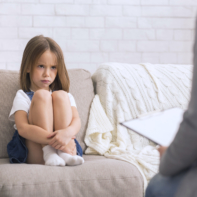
159 127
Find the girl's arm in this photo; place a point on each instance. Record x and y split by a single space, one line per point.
28 131
62 137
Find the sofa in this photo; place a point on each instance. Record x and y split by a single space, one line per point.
98 176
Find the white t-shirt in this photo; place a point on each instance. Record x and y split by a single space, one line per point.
23 102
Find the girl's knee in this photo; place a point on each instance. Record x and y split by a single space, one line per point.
42 95
60 95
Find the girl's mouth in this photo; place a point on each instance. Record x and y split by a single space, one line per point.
45 81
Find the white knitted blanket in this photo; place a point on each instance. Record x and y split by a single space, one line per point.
126 91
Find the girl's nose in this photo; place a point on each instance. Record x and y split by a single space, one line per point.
46 72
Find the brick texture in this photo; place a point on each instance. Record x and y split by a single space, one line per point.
91 32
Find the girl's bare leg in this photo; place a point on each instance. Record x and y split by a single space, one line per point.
40 114
61 110
62 113
62 118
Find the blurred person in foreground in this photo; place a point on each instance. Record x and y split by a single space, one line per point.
177 175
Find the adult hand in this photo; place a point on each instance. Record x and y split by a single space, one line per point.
60 138
162 150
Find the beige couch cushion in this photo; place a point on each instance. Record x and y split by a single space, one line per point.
81 88
98 176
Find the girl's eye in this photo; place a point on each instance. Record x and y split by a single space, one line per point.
41 66
53 67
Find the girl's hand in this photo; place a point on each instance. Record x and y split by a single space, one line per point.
60 138
162 150
70 148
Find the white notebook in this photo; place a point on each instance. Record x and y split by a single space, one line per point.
159 127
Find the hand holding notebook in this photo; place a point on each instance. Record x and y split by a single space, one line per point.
159 127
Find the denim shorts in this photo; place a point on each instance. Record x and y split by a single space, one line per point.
17 150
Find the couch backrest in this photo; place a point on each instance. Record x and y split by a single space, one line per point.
81 88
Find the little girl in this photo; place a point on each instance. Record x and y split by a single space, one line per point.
45 114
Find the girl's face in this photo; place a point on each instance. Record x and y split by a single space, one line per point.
44 71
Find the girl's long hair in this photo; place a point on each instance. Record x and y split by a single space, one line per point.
33 50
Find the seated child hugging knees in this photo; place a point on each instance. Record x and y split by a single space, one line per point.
45 113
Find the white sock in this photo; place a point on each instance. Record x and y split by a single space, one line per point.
70 160
51 157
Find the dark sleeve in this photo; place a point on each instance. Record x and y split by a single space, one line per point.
182 152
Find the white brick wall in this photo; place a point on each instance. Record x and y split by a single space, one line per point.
91 32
